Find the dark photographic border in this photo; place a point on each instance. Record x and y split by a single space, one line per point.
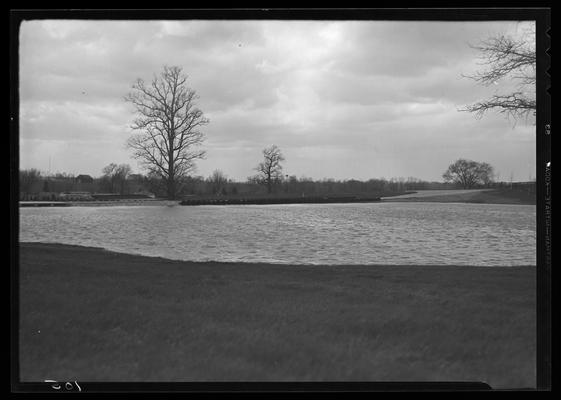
542 17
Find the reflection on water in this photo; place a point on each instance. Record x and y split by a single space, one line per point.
377 233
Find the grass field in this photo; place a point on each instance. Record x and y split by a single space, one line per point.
92 315
495 196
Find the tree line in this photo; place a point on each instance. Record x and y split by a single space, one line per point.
118 179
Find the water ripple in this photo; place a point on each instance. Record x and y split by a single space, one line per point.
379 233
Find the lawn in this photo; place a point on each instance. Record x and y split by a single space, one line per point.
91 315
496 196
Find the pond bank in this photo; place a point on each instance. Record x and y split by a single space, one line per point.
485 196
281 200
100 203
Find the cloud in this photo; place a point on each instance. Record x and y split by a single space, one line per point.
343 99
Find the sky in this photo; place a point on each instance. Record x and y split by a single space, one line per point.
341 99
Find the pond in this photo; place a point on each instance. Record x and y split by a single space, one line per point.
375 233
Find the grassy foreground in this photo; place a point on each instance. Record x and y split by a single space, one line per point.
93 315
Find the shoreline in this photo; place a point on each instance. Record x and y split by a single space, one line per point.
99 203
169 203
65 246
93 315
479 196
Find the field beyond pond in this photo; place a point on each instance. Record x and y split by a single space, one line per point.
482 196
91 315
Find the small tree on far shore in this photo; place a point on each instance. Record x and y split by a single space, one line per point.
270 169
486 174
218 181
468 173
116 177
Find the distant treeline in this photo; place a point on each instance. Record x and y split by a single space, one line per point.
35 185
306 186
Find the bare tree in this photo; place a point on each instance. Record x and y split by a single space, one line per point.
504 57
468 173
168 126
486 173
270 169
218 181
116 176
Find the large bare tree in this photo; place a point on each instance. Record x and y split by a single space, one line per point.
168 137
507 58
270 169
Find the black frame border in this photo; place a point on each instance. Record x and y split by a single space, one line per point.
542 17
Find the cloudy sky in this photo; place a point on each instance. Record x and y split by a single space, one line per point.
342 99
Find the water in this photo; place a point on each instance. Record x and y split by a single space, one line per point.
375 233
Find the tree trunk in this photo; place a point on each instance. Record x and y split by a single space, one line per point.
171 188
171 172
269 178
